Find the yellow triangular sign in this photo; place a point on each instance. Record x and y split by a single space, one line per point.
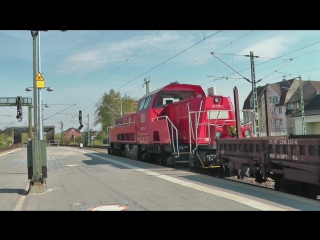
39 77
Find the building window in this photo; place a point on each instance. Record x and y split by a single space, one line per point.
270 98
276 99
281 122
280 110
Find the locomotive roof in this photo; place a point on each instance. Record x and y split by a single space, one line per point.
178 87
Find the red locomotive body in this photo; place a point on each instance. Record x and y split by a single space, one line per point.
176 124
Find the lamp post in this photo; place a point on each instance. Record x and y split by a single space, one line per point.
36 149
40 122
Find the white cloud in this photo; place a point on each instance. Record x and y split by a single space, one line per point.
271 47
164 44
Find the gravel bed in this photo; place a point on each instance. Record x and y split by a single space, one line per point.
269 183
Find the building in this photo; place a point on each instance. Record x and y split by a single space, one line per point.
279 94
311 115
72 133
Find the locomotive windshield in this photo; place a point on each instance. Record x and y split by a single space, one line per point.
165 97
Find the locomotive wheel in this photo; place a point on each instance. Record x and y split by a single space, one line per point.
123 154
224 171
111 151
279 184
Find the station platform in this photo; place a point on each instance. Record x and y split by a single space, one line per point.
90 180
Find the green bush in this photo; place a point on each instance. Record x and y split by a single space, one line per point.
97 142
5 140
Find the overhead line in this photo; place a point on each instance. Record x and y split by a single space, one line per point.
202 57
169 59
117 68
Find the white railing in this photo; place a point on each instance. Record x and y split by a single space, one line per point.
52 143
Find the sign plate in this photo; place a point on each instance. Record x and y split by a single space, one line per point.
40 84
39 77
40 81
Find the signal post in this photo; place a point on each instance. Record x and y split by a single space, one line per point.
36 149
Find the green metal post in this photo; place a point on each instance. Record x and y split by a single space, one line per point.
29 122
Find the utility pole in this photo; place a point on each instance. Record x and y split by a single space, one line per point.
36 149
302 108
146 82
121 103
35 107
254 90
88 130
255 98
39 94
30 123
61 123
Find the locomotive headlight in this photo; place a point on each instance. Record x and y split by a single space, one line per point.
216 100
218 134
247 133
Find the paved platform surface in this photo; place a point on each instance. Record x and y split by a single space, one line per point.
87 180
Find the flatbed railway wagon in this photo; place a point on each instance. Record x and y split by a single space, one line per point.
292 161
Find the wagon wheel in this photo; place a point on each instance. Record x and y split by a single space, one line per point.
239 174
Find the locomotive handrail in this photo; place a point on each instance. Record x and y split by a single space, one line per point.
197 124
123 124
176 130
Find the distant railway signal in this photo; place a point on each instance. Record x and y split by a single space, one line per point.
80 117
19 109
80 120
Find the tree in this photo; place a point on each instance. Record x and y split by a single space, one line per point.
57 136
108 108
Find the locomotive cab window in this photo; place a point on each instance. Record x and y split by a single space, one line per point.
145 103
164 98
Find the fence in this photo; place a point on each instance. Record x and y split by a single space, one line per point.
53 143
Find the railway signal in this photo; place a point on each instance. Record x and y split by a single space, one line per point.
80 120
19 109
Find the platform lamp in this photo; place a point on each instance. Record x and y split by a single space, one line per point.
49 89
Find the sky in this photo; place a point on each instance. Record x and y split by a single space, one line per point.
80 66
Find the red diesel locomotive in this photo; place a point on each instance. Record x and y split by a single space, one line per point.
177 124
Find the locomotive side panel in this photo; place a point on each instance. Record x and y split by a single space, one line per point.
143 119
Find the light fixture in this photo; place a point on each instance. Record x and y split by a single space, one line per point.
218 134
29 89
247 133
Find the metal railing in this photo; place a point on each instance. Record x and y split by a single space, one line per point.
172 142
193 133
51 143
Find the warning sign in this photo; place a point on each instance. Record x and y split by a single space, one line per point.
39 77
40 81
